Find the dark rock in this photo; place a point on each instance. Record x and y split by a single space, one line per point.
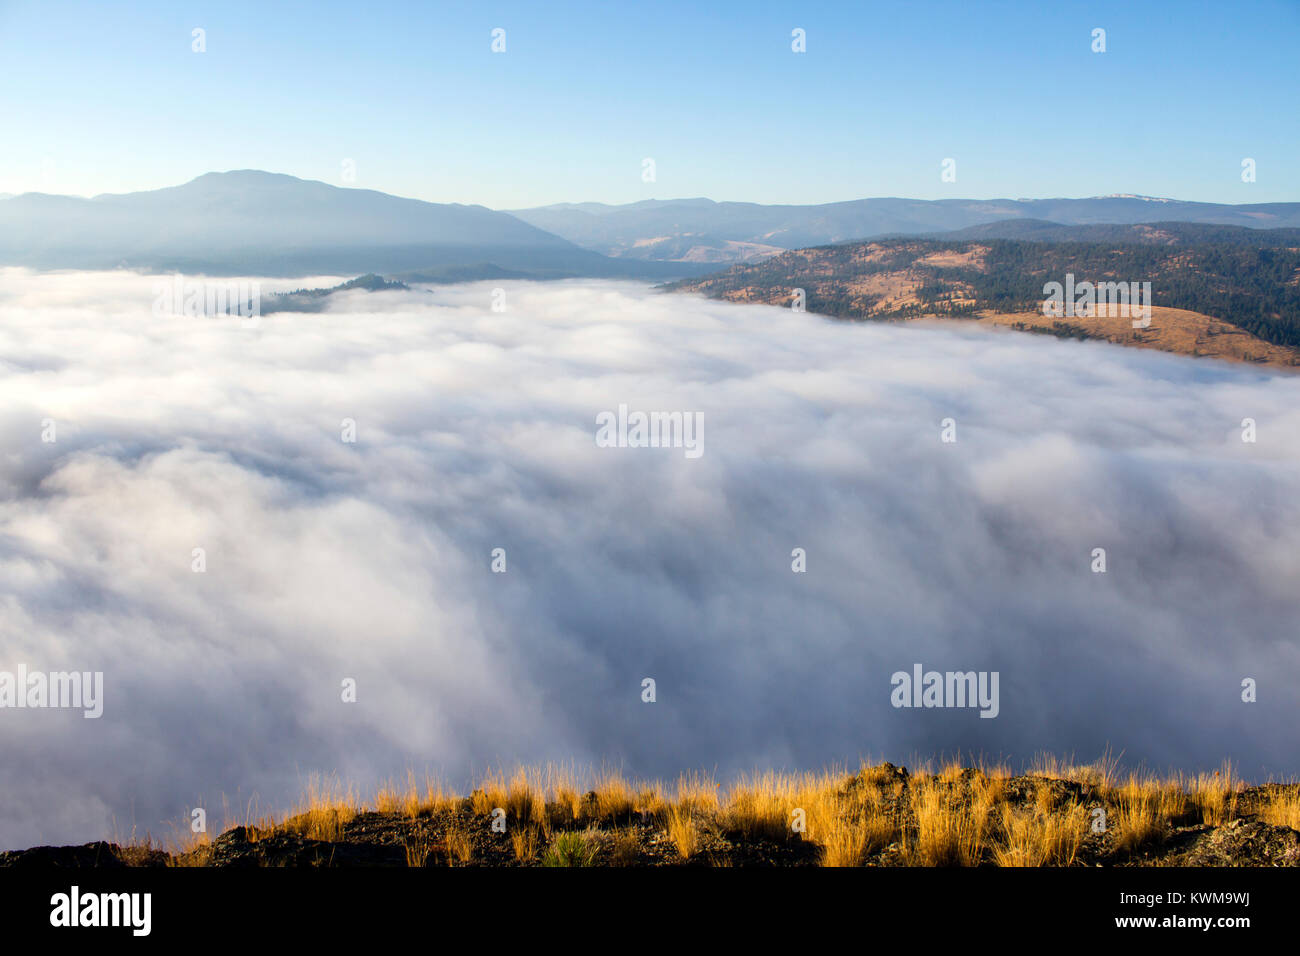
100 854
1243 844
234 848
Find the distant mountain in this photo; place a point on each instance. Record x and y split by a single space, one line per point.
250 222
460 273
690 230
1147 233
256 223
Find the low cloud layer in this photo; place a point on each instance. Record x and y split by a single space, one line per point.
475 430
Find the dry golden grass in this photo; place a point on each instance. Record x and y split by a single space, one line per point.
843 842
525 840
491 793
1146 806
986 793
847 815
764 805
949 832
757 813
404 800
945 814
459 848
975 256
325 810
1282 808
563 803
682 831
1035 837
1102 773
999 772
255 823
1171 330
184 848
135 850
649 801
1213 795
697 793
436 798
418 847
198 856
614 798
525 802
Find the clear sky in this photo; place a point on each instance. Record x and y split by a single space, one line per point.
108 97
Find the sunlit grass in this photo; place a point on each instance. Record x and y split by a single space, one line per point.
948 832
946 814
325 810
1035 837
1146 807
1282 808
682 831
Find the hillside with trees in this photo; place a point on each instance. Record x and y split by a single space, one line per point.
1249 279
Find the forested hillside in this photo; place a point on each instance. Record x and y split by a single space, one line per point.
1247 278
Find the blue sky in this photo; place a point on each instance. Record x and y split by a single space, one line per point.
111 98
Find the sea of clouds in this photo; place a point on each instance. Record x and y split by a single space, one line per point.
328 560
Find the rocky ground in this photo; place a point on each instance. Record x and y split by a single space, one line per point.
457 835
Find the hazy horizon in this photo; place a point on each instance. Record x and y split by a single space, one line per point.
662 199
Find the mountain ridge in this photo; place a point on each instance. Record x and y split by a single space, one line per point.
682 230
252 222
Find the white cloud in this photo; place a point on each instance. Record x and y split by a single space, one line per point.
476 430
